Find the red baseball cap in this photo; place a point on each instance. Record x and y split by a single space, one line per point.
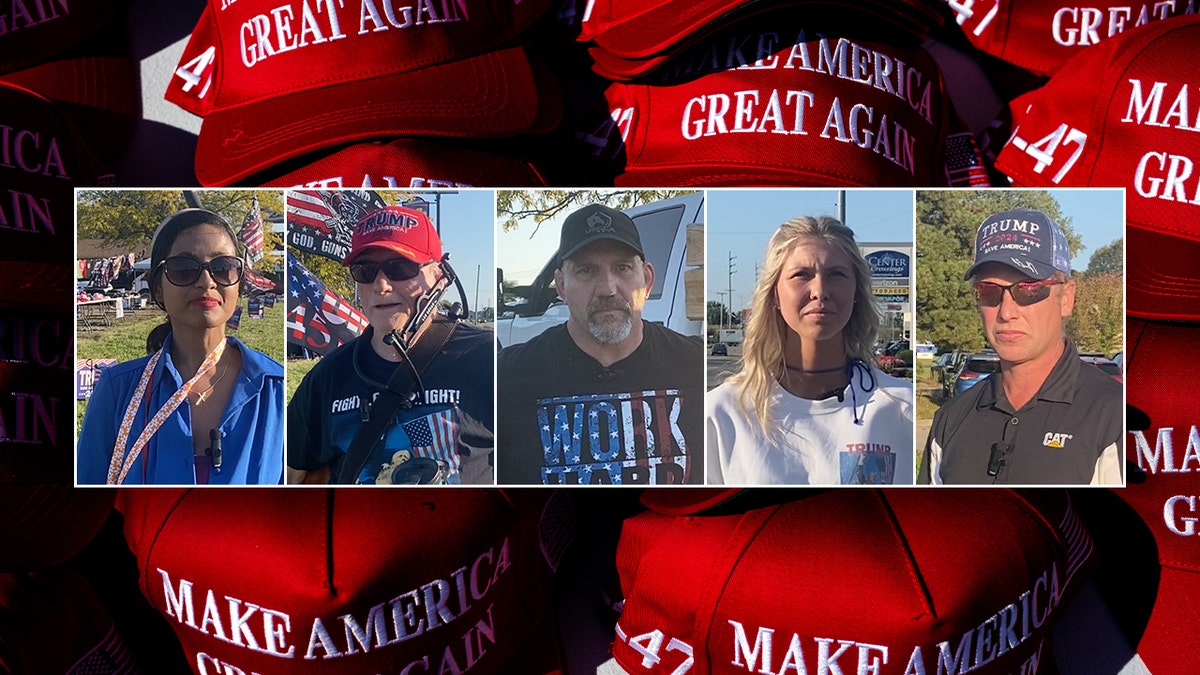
53 622
94 82
413 163
50 28
1162 490
1042 35
398 229
1108 119
846 578
809 109
635 37
272 84
350 581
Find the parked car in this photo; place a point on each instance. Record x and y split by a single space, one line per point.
719 349
946 368
1110 367
975 369
923 352
895 346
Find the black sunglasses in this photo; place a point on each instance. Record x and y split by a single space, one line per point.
1024 293
182 270
396 269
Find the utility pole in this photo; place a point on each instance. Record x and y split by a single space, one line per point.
721 296
732 257
841 206
476 305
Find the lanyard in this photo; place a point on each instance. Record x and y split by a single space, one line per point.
121 462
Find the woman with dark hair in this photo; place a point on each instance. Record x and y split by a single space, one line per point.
809 405
201 408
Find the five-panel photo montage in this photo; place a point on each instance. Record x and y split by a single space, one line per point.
621 337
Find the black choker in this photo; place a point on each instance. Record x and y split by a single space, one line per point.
794 369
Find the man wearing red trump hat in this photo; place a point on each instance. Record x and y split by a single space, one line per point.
409 400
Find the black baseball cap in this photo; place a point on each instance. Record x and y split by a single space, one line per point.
593 223
1026 240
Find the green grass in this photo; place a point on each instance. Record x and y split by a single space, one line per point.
296 370
125 340
929 394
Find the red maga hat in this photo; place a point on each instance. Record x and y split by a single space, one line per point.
1042 35
350 581
275 82
35 31
1118 115
635 37
871 582
805 107
398 229
1164 489
412 163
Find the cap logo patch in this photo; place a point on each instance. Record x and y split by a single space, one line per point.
1053 440
387 220
600 222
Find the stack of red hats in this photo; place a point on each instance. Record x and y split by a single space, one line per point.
883 581
278 83
48 617
1042 35
76 55
800 93
353 581
1122 113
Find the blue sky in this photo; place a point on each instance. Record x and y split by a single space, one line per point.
740 222
466 225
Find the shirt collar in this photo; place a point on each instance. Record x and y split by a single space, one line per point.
1059 386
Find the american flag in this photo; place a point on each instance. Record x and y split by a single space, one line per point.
964 164
318 318
251 233
110 657
435 436
321 221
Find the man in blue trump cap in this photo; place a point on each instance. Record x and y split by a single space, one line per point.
1046 417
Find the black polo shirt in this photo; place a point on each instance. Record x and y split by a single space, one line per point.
1055 438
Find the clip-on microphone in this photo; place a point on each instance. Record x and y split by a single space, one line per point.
214 448
996 460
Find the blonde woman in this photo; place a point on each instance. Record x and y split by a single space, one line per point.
809 405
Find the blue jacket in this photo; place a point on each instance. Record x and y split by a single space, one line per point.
252 428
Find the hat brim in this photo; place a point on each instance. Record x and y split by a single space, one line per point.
392 246
672 26
1033 270
1163 281
563 255
493 94
413 161
730 174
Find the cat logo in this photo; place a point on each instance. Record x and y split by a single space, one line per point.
1054 440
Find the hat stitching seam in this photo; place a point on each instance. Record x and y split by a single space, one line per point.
914 572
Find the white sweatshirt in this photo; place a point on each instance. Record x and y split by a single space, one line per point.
867 437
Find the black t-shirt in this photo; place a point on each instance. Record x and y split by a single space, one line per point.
452 423
566 419
1055 438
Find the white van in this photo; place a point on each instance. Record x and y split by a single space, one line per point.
663 228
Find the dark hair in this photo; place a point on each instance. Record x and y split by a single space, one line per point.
164 238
